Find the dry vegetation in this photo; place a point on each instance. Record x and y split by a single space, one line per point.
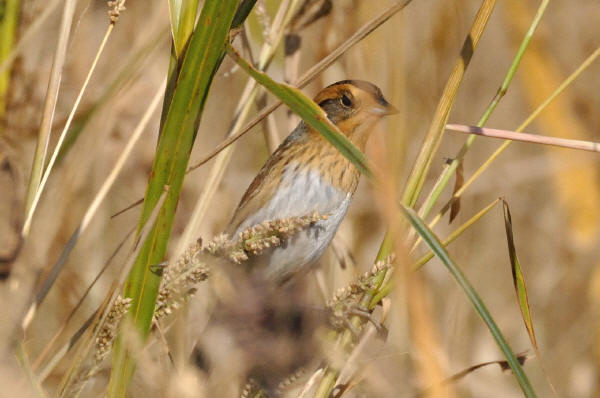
426 330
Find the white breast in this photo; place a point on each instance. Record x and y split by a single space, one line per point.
300 193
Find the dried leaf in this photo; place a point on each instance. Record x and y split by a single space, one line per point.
458 183
518 278
504 366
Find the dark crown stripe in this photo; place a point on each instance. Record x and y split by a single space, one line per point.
365 86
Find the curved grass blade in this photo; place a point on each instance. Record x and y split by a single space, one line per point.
517 275
310 112
198 68
437 247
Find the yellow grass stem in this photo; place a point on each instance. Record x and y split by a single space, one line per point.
39 189
41 148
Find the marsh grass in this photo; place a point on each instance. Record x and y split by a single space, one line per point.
390 330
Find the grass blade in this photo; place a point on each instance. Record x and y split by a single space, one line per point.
242 13
437 247
42 184
183 15
310 112
443 181
58 63
178 132
580 69
436 128
517 275
435 131
8 25
56 269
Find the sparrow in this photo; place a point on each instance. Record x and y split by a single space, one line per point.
306 175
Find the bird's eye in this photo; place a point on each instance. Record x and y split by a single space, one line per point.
346 101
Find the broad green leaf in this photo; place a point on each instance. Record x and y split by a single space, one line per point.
199 64
434 243
518 278
310 112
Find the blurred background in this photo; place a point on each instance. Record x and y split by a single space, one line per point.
554 194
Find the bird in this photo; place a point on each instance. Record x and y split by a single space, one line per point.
307 175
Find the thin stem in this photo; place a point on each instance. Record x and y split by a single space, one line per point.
524 137
41 149
38 192
94 206
588 61
448 172
435 132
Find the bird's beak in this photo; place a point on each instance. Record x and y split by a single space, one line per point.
384 108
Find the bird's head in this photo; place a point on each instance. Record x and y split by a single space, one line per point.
354 106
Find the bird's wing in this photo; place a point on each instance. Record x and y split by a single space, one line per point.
285 188
297 192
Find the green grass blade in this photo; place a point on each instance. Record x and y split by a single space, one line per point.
8 26
438 248
310 112
199 64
